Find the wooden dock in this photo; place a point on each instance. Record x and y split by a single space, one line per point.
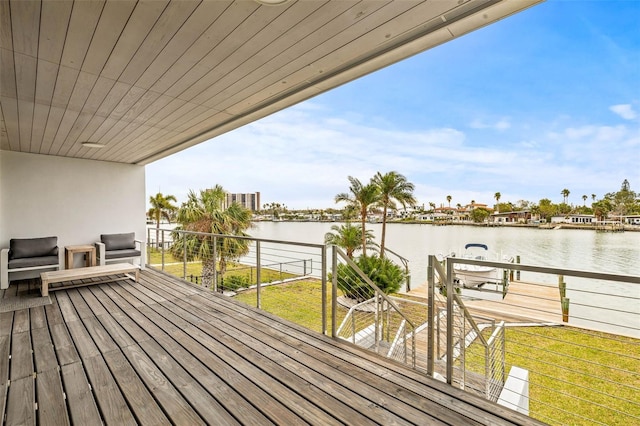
163 351
524 302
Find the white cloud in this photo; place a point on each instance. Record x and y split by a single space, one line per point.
302 156
500 125
625 111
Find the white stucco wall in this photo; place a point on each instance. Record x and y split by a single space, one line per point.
75 200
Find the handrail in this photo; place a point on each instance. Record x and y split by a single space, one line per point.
405 263
633 279
366 279
241 237
349 314
452 296
380 296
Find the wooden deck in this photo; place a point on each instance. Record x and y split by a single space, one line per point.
164 351
525 302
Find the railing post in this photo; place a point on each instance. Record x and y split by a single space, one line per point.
184 256
377 321
450 318
463 350
334 289
258 277
304 265
323 281
487 378
162 252
430 315
149 245
215 268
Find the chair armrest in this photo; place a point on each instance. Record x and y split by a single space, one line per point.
143 253
100 253
61 259
4 266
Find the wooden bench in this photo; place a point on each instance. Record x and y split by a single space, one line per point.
65 275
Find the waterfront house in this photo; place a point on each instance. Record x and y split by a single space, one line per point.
92 92
632 219
575 219
520 216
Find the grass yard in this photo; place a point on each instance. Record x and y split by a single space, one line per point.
175 267
575 377
298 301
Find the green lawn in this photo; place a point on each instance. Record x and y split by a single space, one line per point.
175 267
298 301
575 377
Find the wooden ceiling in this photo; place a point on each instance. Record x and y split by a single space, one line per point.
148 78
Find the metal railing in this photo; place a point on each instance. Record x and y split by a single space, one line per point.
405 262
574 333
373 320
462 329
244 266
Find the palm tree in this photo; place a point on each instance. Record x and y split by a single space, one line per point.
584 200
497 196
361 198
565 193
593 197
161 207
349 237
205 212
449 197
392 187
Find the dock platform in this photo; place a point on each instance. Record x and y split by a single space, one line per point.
524 302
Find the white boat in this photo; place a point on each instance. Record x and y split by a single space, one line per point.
471 276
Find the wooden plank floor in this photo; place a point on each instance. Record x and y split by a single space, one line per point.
525 302
166 352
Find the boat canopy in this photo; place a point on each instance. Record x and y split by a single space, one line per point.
484 246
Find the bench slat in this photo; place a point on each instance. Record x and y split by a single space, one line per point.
85 273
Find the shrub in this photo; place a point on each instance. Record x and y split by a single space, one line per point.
234 282
383 272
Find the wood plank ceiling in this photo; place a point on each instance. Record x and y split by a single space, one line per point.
148 78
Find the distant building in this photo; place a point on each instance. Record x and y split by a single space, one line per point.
574 218
632 219
250 201
520 216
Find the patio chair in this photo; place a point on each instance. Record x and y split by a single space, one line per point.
114 248
29 254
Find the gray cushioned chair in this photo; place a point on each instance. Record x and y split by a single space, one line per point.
29 254
120 247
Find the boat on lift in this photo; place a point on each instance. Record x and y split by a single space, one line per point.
474 276
479 281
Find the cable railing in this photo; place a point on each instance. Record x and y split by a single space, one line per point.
561 345
457 329
571 341
373 320
243 267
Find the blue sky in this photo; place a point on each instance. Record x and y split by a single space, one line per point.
544 100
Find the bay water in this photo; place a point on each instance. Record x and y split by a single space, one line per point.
606 305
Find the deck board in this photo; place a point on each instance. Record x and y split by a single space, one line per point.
21 402
82 406
165 351
51 406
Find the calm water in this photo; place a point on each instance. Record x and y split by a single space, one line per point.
615 253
